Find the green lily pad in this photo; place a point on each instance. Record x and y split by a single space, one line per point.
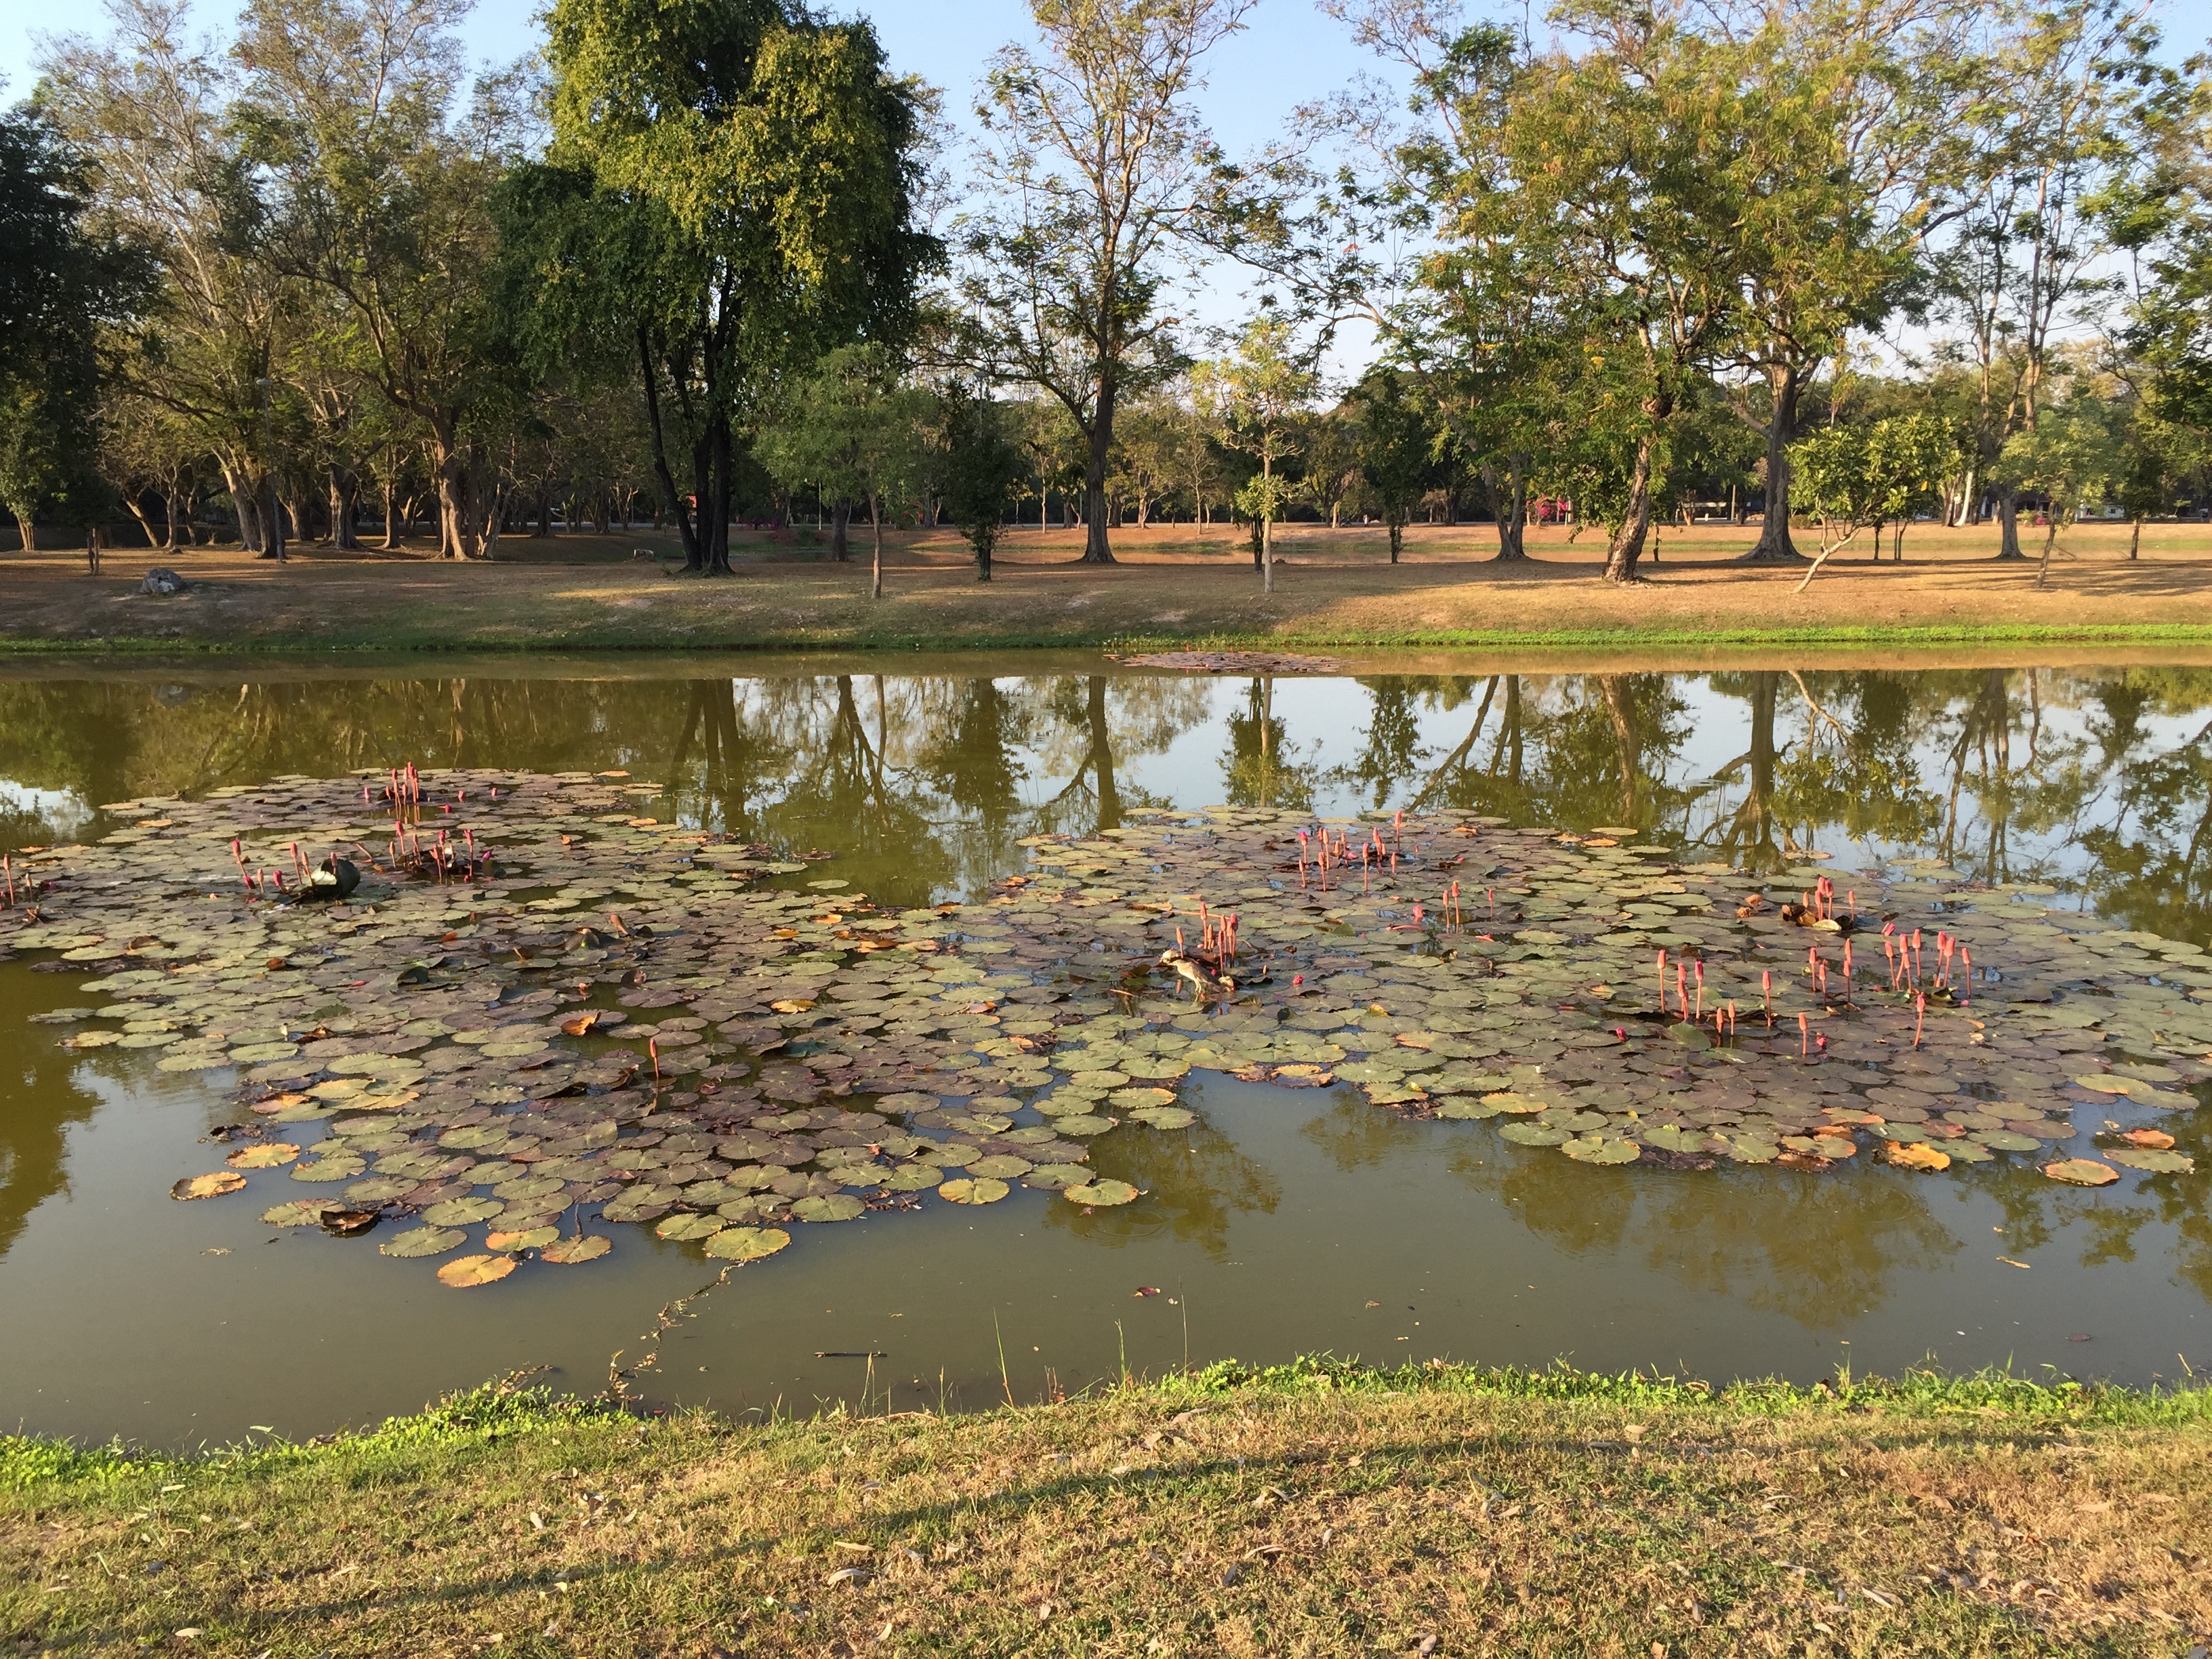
296 1213
1165 1117
459 1212
1102 1193
329 1169
568 1252
1001 1166
1053 1176
423 1241
914 1178
838 1207
2006 1140
1596 1149
1534 1134
2158 1161
1466 1107
1670 1138
746 1243
962 1190
1083 1125
379 1189
513 1241
688 1226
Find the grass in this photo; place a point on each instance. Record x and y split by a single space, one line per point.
1313 1509
1336 591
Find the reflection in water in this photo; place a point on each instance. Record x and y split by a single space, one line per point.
1822 1252
2097 782
1194 1184
40 1099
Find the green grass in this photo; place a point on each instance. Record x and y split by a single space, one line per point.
1316 1508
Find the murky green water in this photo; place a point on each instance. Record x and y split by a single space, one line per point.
1287 1221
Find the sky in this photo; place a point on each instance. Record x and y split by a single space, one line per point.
1290 53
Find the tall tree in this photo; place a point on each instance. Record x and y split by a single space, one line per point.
1104 186
979 476
2050 139
1262 387
852 431
378 181
1397 448
730 190
149 114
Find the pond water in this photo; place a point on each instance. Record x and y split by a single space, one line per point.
1281 1220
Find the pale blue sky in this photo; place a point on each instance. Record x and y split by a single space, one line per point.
1290 54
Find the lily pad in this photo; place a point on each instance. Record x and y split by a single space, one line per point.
1918 1155
1165 1117
1594 1149
1102 1193
334 1167
459 1212
836 1208
423 1241
379 1189
914 1178
209 1185
2081 1172
2006 1140
528 1238
1001 1166
568 1252
746 1243
680 1227
1083 1125
962 1190
295 1212
269 1155
1534 1134
2150 1159
463 1273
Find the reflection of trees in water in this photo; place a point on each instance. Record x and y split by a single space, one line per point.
1357 1136
1195 1182
1261 767
1820 1250
42 1102
928 780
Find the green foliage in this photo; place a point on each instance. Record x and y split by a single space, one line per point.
982 472
1879 472
1397 447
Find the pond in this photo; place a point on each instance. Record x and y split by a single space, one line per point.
841 986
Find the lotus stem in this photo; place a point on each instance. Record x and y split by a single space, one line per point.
1662 981
1919 1015
1966 964
1804 1038
1701 988
1767 993
653 1048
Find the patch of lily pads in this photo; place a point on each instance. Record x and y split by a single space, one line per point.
596 1016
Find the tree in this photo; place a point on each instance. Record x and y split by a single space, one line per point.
852 430
1260 387
731 193
980 472
1105 182
1397 448
1858 476
61 285
2048 140
2068 456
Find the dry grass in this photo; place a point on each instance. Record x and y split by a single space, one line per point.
1424 1512
1335 589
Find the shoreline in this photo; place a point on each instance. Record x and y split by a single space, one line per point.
1318 1507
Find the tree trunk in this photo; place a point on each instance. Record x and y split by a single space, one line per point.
1774 546
1397 524
27 529
1096 550
391 523
1102 755
840 516
1627 545
876 523
2008 526
2135 539
1508 507
672 498
146 525
1266 522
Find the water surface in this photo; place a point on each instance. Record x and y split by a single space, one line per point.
1287 1221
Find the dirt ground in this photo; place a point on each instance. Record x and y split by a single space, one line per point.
1333 588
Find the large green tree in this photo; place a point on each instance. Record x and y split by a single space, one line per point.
729 193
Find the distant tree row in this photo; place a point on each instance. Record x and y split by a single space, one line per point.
1832 262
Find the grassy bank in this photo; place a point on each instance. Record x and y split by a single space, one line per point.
1333 592
1312 1509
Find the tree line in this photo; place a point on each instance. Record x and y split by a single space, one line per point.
1834 264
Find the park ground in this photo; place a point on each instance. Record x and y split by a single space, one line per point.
1315 1510
1333 589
